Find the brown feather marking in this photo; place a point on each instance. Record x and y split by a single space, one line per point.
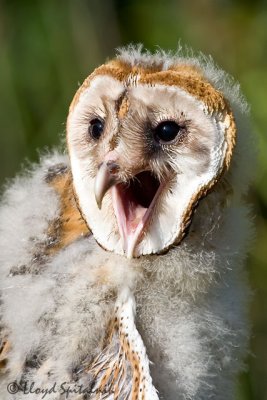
114 366
71 224
6 346
194 85
124 107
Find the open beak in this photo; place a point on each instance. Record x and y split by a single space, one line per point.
133 201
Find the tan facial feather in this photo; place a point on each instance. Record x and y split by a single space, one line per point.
186 77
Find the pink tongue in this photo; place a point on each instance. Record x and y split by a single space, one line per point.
134 214
133 204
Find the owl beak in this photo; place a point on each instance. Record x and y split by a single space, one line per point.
106 177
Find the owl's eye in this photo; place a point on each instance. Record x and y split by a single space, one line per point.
96 128
167 131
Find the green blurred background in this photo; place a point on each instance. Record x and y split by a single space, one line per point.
47 47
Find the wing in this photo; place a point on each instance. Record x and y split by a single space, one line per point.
121 369
38 219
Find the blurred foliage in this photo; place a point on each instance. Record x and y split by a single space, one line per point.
48 47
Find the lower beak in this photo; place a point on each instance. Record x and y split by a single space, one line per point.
106 177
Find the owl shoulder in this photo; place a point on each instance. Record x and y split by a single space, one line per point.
38 215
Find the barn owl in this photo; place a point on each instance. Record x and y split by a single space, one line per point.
122 259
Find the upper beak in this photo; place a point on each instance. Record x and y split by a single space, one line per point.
106 177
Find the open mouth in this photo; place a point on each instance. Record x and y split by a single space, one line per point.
133 205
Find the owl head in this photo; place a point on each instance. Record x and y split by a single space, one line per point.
148 137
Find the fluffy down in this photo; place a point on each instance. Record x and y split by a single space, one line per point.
191 302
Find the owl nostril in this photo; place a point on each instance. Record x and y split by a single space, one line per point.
113 167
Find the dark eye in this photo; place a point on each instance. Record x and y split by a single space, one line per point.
167 131
96 128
